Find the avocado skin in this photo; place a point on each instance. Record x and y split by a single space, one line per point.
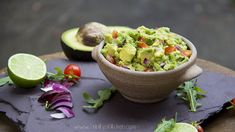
76 54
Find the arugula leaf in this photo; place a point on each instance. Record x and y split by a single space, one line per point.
104 94
165 126
5 80
189 92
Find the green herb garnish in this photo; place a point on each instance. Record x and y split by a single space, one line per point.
104 94
60 76
166 125
232 106
5 80
189 92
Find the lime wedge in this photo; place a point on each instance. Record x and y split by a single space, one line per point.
26 70
184 127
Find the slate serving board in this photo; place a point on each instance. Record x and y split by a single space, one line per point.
118 114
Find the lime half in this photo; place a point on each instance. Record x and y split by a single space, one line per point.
26 70
184 127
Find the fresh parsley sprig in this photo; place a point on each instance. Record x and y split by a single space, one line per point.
60 76
189 92
104 94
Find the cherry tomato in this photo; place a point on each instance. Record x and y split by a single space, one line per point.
170 49
115 34
142 45
72 69
187 53
233 101
199 128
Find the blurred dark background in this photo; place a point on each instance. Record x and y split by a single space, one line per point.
35 26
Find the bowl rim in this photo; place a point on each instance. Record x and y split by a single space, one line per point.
181 67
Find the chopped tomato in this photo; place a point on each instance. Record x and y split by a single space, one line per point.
73 69
142 45
110 59
170 49
199 128
233 101
115 34
187 53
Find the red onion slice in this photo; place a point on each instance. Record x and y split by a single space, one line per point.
61 98
66 111
58 115
145 61
57 96
56 87
48 96
60 104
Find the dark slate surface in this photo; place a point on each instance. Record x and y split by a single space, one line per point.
118 114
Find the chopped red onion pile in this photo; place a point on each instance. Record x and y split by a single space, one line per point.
57 97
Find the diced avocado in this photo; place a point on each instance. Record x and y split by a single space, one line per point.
146 55
127 53
146 49
157 67
133 34
108 38
157 42
120 39
169 66
139 67
163 30
126 65
159 52
109 49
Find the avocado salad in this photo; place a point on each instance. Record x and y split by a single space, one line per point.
145 49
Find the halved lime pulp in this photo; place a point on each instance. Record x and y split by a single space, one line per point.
184 127
26 70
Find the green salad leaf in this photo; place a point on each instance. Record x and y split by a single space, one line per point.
104 94
5 80
189 92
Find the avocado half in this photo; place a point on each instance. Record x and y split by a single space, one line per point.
75 50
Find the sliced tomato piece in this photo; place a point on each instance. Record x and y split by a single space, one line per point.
169 49
233 101
187 53
115 34
142 45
